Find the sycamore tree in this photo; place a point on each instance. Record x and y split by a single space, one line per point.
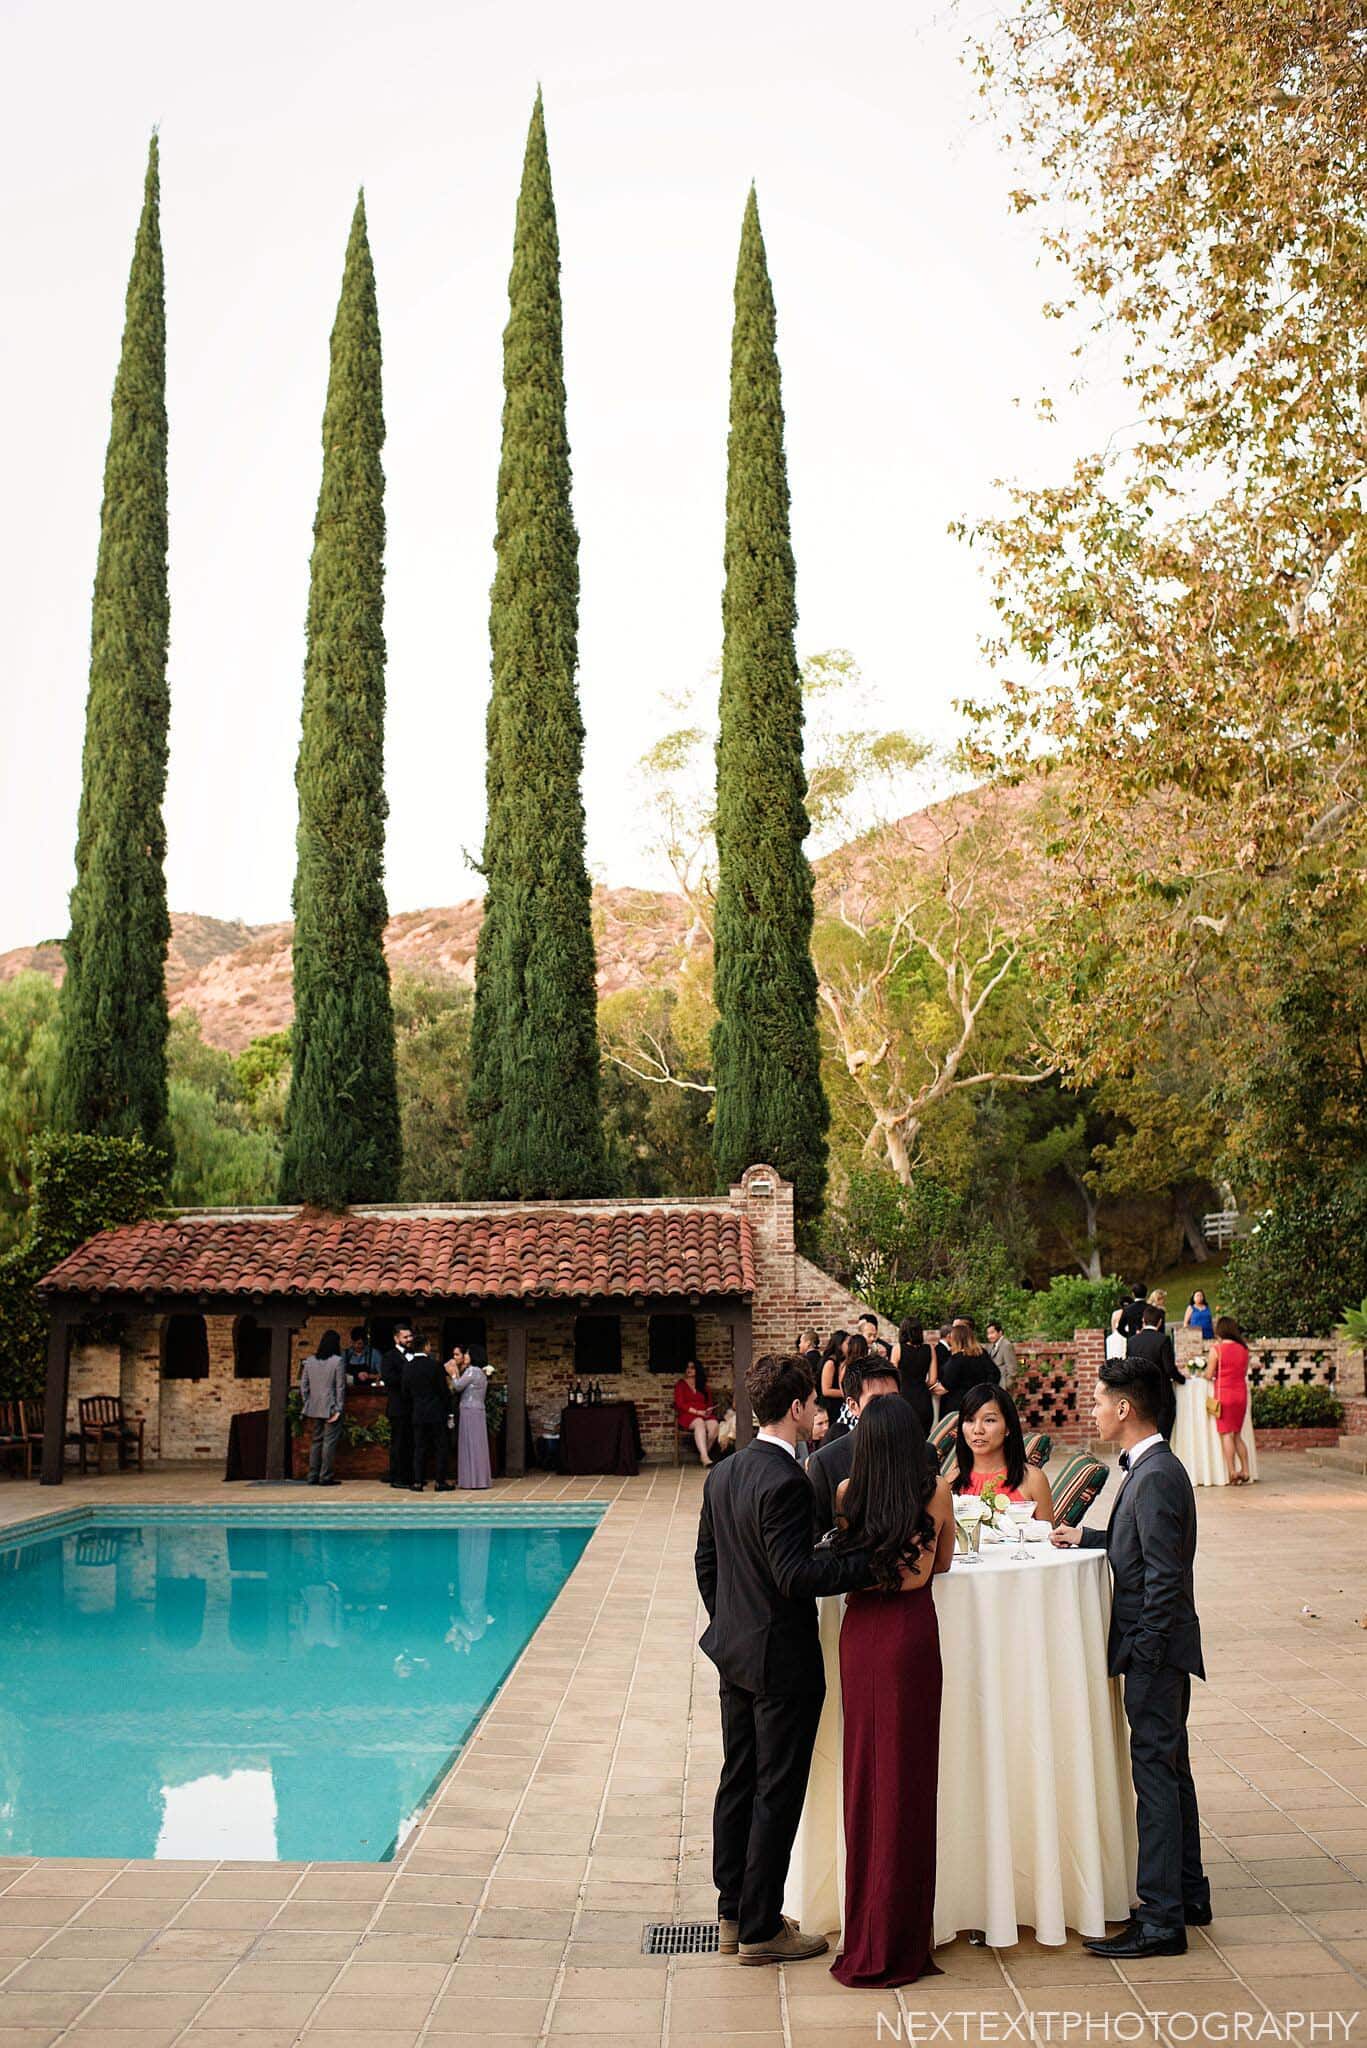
1184 613
923 934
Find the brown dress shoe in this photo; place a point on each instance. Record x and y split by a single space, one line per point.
789 1945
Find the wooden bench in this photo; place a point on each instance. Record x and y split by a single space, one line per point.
102 1421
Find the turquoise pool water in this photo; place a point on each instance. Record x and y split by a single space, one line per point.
253 1684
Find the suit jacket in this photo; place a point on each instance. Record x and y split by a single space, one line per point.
322 1387
393 1369
427 1389
826 1467
1155 1348
1150 1541
759 1576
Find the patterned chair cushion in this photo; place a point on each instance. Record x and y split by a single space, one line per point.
1077 1486
1038 1448
942 1440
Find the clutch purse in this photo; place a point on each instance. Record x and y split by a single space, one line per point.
1213 1407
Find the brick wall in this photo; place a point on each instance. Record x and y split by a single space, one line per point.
789 1290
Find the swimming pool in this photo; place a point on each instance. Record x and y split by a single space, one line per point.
256 1683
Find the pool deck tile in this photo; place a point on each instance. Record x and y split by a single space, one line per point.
581 1806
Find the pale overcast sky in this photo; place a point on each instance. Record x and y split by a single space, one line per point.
909 321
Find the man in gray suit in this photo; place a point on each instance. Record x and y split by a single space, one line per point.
1155 1642
322 1388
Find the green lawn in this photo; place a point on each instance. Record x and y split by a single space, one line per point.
1178 1285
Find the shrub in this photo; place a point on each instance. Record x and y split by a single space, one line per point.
1296 1408
81 1185
1071 1303
918 1249
1308 1254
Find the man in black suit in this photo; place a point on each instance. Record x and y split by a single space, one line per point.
428 1393
1154 1346
1132 1311
1155 1642
759 1577
865 1379
392 1368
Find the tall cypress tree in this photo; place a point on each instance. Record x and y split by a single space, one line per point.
342 1140
111 1079
535 1128
766 1058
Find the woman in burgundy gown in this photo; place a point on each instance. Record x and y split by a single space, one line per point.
895 1506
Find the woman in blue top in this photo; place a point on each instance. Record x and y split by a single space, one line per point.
1198 1315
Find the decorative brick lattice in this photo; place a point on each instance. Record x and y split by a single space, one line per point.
1045 1388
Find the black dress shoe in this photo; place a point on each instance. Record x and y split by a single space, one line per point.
329 1482
1198 1916
1140 1938
444 1487
415 1488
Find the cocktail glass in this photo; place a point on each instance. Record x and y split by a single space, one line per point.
968 1522
1021 1512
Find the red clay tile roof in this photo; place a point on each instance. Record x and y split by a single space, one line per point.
525 1251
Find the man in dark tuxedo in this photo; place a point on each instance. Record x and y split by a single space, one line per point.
392 1368
428 1393
1154 1346
1132 1310
1155 1642
865 1379
759 1577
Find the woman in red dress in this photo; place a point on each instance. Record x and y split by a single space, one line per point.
895 1506
1229 1377
694 1413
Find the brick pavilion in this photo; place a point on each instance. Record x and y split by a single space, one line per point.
210 1303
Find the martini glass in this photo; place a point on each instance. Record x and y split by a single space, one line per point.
968 1519
1021 1512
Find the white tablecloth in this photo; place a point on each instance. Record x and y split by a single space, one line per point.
1196 1439
1036 1809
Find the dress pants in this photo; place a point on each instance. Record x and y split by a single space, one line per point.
767 1743
323 1446
430 1435
1170 1877
400 1449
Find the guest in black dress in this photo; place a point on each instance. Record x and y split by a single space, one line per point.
828 1386
967 1365
911 1356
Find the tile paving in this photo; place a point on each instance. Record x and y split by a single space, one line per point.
581 1808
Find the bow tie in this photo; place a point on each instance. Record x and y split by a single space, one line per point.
1124 1461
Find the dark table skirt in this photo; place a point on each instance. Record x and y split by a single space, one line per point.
247 1444
602 1438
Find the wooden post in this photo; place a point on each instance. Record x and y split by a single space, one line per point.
741 1345
55 1393
277 1429
515 1447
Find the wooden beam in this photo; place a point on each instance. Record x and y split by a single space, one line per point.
741 1346
277 1429
60 1320
515 1446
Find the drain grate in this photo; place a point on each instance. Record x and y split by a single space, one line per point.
679 1938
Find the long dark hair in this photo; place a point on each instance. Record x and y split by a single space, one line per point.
910 1334
1013 1447
887 1502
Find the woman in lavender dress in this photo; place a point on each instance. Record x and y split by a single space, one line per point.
472 1445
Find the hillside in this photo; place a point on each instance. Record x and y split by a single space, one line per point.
236 977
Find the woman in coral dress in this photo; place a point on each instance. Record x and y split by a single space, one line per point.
1229 1378
990 1448
895 1506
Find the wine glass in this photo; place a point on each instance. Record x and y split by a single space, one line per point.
1021 1512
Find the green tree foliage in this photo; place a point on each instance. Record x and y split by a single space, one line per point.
111 1079
917 1248
766 1056
535 1124
81 1185
657 1100
432 1020
28 1073
227 1143
342 1135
